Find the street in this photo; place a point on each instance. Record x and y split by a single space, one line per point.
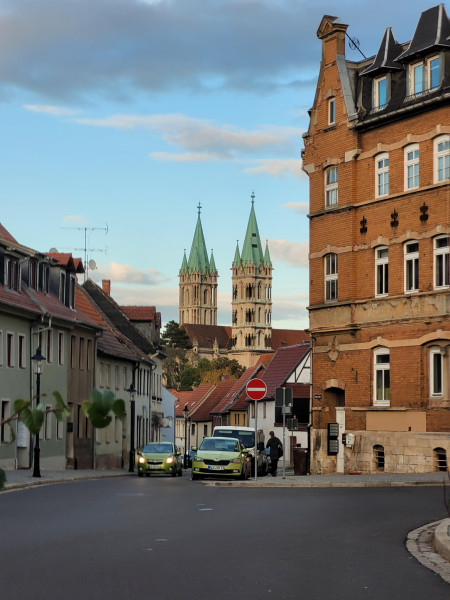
168 538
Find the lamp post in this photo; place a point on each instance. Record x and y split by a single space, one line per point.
186 415
38 357
132 391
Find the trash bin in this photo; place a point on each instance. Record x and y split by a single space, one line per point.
300 461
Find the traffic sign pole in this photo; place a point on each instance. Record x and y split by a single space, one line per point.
256 390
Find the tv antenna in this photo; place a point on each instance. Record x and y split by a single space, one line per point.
91 263
354 44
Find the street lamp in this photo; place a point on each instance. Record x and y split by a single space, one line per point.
38 357
186 416
132 391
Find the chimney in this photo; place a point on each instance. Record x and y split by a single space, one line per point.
106 286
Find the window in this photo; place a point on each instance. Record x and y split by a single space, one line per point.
60 348
433 72
33 273
12 274
331 111
382 379
411 266
82 354
1 348
331 186
441 262
412 167
436 372
442 159
381 271
416 79
10 349
73 345
382 175
72 292
5 431
424 75
45 278
380 93
48 422
21 351
378 456
331 277
440 459
62 287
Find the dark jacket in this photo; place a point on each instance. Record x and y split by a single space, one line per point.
275 446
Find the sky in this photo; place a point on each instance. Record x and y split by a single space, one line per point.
119 117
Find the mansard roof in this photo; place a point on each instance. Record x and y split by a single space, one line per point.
432 31
385 60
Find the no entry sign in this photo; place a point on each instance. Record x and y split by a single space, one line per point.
256 389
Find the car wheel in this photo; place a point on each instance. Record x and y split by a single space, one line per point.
140 474
174 473
194 476
180 472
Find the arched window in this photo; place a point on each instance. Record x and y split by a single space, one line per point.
441 251
382 175
411 252
412 167
442 158
440 459
331 187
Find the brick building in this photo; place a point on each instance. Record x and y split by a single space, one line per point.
377 153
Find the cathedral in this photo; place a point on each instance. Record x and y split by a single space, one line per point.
250 335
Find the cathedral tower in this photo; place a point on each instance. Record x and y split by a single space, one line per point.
198 283
252 294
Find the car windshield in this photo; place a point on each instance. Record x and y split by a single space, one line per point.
158 448
247 438
219 445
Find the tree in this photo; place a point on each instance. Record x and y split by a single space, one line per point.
97 409
189 378
174 336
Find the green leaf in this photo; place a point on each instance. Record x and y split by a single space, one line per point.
32 419
61 409
119 408
20 404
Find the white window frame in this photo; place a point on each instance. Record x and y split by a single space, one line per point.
381 271
332 111
48 422
380 369
416 85
60 348
441 262
411 267
442 159
21 351
437 356
382 175
428 72
376 92
331 186
331 277
412 156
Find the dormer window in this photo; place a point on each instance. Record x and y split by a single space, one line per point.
62 287
33 274
380 92
12 274
424 75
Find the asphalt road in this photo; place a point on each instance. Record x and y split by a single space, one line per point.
173 539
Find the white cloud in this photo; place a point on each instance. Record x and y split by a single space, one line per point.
276 167
75 220
118 273
56 111
186 157
301 208
292 253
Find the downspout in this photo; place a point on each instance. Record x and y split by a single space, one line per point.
308 465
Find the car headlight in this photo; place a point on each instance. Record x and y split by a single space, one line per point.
198 458
235 460
170 460
141 459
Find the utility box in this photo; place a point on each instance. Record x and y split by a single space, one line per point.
300 461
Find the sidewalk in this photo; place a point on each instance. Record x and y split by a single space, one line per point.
24 478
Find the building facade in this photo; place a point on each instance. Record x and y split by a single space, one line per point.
377 153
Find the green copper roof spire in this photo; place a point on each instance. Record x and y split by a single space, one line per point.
212 264
184 265
267 261
198 257
237 256
252 251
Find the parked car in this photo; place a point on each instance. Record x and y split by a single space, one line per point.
247 437
159 457
221 457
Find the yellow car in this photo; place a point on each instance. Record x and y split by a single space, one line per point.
159 457
221 457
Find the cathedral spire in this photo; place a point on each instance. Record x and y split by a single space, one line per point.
198 258
252 253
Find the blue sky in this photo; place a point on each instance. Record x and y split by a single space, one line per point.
125 114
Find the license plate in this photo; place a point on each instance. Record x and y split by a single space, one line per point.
215 468
154 467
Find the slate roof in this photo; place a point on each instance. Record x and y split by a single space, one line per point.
282 365
387 54
432 31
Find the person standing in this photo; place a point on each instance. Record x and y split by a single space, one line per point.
275 452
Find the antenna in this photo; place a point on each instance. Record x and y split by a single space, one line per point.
354 44
85 249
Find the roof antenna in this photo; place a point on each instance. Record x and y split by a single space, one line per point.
354 44
253 198
199 208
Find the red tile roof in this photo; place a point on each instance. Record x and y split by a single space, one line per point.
67 260
233 395
203 412
5 235
288 337
193 399
139 313
207 334
282 365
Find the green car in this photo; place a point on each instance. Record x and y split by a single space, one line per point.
159 457
221 457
